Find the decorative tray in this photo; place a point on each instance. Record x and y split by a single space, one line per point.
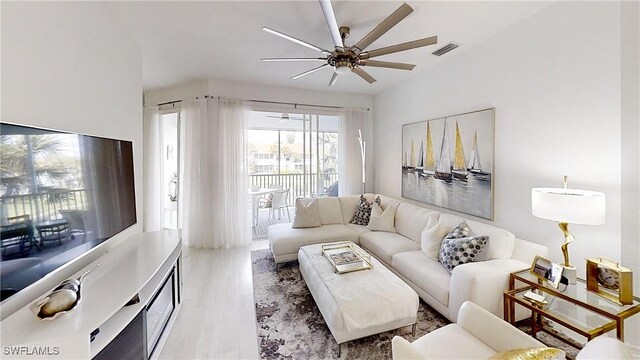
346 257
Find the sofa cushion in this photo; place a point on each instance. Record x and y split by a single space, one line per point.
358 228
501 241
388 201
330 211
385 244
348 205
285 240
411 220
426 273
452 342
307 214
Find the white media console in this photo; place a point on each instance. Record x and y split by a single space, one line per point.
148 265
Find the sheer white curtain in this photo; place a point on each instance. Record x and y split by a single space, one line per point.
153 156
349 157
215 211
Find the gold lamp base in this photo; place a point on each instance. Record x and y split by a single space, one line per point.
569 270
568 238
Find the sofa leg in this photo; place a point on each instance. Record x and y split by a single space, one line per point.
413 329
339 350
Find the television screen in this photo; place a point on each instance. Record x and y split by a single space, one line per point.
61 195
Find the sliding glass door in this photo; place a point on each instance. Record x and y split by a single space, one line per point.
297 151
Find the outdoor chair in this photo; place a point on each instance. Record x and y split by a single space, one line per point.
279 202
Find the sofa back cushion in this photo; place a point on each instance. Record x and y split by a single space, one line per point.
411 220
501 241
388 201
330 210
348 205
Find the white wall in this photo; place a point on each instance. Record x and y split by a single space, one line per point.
630 130
244 91
555 81
630 75
70 66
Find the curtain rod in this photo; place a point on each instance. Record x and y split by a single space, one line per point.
262 102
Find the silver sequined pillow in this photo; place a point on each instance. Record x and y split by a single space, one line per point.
458 251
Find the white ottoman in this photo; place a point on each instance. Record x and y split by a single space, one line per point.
357 304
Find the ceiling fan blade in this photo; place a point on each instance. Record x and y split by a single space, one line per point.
400 47
386 64
334 78
309 71
392 20
295 40
363 74
292 59
330 17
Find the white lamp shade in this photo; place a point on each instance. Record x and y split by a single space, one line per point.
569 205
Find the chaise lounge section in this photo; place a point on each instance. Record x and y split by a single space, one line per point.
481 282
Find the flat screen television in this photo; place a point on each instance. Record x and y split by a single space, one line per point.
61 195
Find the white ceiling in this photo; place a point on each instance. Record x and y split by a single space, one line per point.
187 41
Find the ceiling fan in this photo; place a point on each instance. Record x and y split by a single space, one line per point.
345 59
284 117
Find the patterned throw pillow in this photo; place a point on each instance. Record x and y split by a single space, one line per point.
363 211
454 252
461 231
269 202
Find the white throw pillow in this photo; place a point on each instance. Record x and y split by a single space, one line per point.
382 220
431 238
307 214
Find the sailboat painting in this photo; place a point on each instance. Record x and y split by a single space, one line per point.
454 166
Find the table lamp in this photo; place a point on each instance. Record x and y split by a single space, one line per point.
568 206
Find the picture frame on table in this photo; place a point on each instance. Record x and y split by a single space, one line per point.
547 270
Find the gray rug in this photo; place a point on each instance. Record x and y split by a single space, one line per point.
290 325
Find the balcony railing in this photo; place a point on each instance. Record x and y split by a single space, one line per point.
43 206
299 185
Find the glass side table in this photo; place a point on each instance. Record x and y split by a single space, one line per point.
575 307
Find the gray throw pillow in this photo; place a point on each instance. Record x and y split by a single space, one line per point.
363 211
458 251
460 231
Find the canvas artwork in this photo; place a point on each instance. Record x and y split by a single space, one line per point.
448 162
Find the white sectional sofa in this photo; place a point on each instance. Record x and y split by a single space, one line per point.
481 282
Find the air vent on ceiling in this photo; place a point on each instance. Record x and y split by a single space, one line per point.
445 49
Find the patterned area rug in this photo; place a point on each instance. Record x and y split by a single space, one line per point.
290 325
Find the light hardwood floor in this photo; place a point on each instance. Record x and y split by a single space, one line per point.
217 317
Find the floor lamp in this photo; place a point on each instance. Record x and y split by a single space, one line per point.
363 153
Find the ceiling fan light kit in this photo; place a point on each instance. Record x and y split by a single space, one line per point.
344 59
